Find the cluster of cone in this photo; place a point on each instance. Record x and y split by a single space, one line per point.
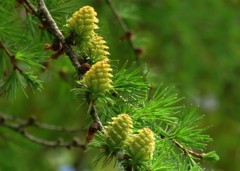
83 24
119 132
119 135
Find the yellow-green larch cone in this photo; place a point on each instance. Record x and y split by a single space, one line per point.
118 131
97 49
83 22
141 145
99 78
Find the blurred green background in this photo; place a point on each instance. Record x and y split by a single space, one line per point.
191 44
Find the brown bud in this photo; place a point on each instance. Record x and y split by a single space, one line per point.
84 68
91 131
47 46
41 26
138 51
127 36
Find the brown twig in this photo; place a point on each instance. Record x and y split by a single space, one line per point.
95 117
187 151
46 18
54 144
127 33
31 122
60 143
11 57
28 6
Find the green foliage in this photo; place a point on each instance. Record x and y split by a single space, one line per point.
13 84
17 81
188 132
211 156
31 56
129 79
130 89
161 108
33 81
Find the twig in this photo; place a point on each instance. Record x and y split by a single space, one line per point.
56 128
54 144
118 16
24 133
31 122
187 151
51 24
95 117
127 34
11 57
126 30
28 6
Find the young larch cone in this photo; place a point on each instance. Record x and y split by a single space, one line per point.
99 78
141 145
97 49
119 130
83 22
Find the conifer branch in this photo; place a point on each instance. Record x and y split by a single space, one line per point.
48 22
134 150
127 33
187 151
53 144
56 128
31 122
59 143
44 15
11 57
53 29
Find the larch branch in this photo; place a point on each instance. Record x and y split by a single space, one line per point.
59 143
31 122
